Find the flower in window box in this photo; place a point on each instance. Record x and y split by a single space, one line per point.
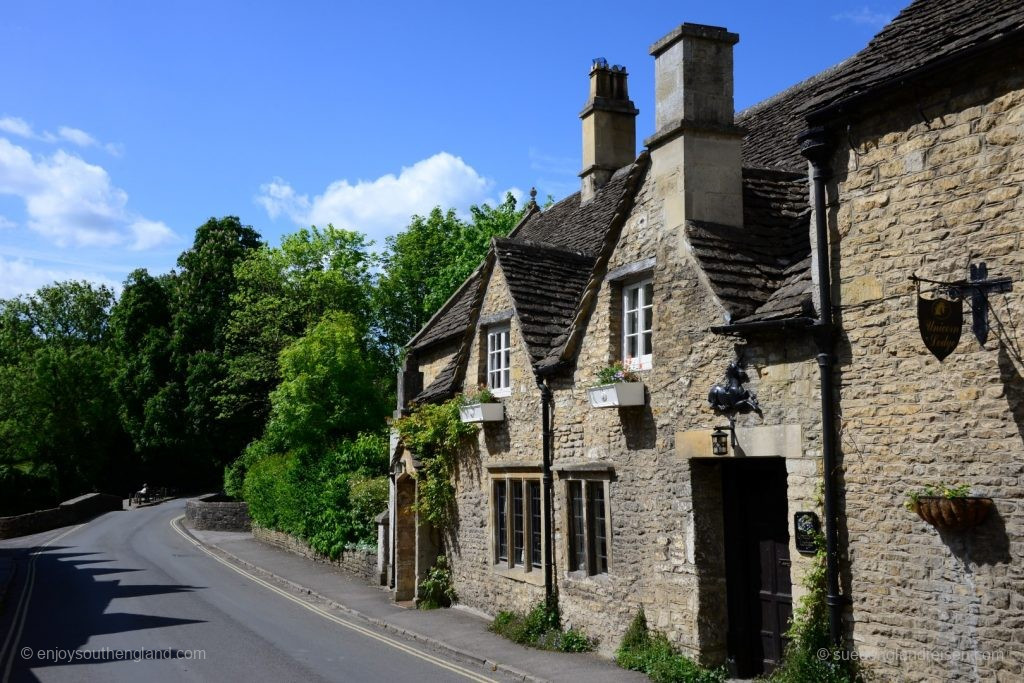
481 406
616 387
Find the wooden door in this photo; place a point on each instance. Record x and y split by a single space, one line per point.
760 601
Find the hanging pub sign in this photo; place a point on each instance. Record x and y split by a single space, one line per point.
941 321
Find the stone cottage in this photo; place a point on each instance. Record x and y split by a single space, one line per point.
702 262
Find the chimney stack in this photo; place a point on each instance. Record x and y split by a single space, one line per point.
695 151
609 127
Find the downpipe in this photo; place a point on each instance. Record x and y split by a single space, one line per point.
548 483
814 146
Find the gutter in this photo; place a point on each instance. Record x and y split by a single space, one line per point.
815 147
801 323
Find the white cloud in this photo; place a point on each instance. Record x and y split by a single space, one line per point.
7 224
383 206
79 137
149 234
22 276
16 126
22 128
864 17
72 202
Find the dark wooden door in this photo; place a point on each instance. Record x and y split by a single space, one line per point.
760 600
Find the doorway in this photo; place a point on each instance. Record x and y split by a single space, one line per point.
757 563
405 538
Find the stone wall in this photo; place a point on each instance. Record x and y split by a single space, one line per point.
933 182
217 513
479 582
361 563
69 512
666 550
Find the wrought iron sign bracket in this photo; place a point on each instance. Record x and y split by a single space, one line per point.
977 290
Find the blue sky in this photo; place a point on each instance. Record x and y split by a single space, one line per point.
124 125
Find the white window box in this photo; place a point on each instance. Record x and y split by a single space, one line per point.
617 395
482 412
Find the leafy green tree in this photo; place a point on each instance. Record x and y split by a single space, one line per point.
147 387
59 421
429 260
200 321
281 292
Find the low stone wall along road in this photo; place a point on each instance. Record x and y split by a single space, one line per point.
129 597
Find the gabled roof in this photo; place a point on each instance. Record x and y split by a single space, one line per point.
548 260
925 33
546 283
747 266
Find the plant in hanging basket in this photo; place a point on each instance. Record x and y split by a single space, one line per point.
949 508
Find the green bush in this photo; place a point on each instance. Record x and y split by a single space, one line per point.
266 491
331 500
437 590
653 654
368 498
541 628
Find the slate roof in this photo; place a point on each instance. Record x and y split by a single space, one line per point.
748 267
546 284
924 33
760 272
451 320
548 259
569 225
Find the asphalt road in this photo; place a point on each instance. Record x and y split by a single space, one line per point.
126 598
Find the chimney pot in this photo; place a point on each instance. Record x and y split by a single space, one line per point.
609 126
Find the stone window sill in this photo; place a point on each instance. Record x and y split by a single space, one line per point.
534 577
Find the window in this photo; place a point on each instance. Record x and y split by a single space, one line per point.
498 353
588 527
637 324
518 523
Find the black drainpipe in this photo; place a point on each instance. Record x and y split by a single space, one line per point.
546 406
814 146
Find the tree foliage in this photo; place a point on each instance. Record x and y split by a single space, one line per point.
427 262
282 292
59 429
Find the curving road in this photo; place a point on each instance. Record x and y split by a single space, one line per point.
127 598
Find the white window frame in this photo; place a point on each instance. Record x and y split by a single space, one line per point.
642 361
499 356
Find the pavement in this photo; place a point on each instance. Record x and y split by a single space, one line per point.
457 632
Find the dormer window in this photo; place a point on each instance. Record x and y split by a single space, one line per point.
498 356
637 325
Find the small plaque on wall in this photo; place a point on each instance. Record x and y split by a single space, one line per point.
805 528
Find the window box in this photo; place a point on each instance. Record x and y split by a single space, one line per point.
482 412
618 395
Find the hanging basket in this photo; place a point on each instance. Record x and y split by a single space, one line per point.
952 514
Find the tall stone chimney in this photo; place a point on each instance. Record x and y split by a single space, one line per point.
609 127
695 151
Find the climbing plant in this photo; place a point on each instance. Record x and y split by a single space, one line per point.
810 655
436 434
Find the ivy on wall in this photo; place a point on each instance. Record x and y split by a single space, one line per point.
436 435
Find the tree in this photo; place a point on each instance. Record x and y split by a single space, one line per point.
281 292
59 422
429 260
200 320
146 385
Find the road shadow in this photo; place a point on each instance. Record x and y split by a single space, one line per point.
71 604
